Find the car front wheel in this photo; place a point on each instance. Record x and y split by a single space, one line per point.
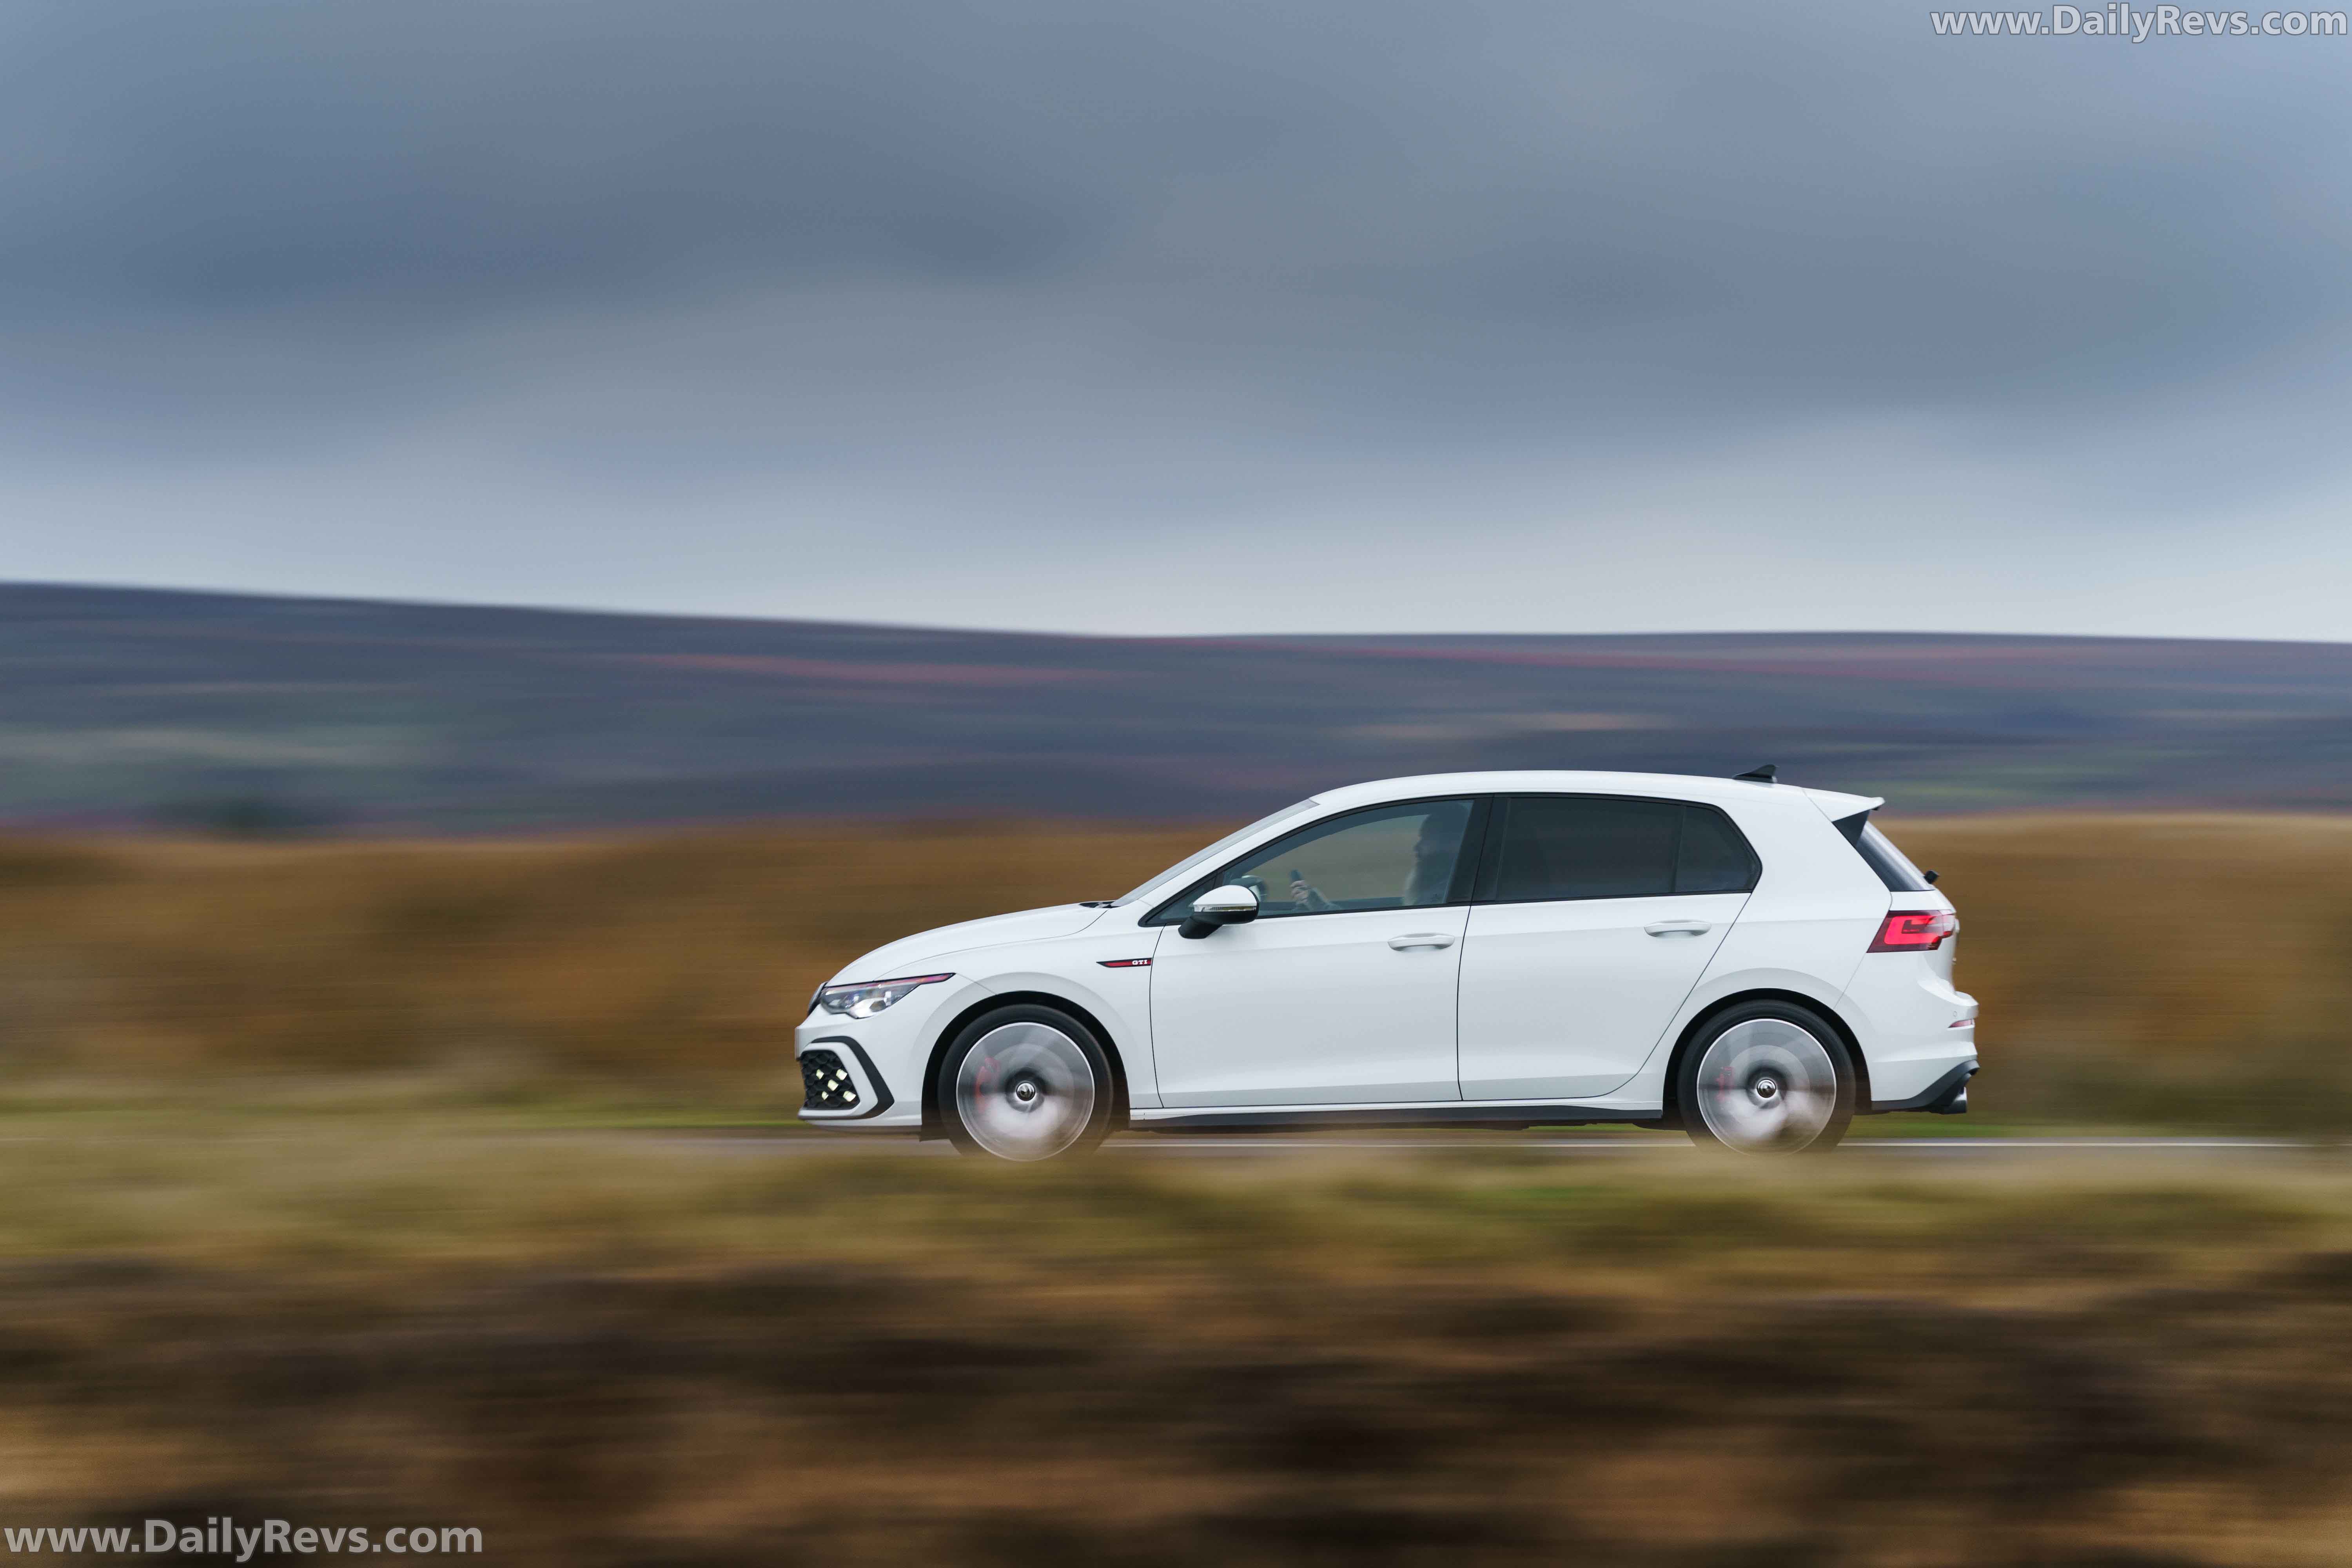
1770 1078
1025 1083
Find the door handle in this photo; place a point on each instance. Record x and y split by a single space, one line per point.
1424 939
1679 928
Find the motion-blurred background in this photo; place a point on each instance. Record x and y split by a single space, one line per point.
613 855
534 533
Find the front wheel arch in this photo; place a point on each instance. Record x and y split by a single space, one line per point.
932 1126
1672 1113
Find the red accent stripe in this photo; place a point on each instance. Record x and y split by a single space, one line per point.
1124 963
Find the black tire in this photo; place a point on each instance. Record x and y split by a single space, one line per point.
1025 1082
1767 1077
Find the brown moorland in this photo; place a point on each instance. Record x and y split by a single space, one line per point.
290 1234
2191 971
604 1350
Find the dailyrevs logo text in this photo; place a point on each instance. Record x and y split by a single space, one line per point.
225 1538
2137 25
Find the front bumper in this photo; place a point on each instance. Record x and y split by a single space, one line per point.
836 1079
866 1073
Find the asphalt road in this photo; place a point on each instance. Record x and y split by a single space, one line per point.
1650 1147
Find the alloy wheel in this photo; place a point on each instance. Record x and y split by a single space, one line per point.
1767 1086
1026 1092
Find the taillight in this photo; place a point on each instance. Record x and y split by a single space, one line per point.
1914 931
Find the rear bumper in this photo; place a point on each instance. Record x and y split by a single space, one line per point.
1948 1096
1919 1034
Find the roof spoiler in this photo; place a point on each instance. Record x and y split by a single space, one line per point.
1769 773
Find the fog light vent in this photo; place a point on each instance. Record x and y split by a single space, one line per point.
826 1083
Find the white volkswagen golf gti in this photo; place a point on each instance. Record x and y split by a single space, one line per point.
1746 960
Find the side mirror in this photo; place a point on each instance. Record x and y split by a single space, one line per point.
1226 906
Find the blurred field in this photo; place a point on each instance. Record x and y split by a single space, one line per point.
2164 971
301 1221
2181 971
673 965
606 1352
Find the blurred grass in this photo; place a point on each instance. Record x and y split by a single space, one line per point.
301 1221
650 970
2159 972
611 1350
452 1187
2188 971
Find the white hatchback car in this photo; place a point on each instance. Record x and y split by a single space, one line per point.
1749 961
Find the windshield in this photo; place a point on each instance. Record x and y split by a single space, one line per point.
1194 862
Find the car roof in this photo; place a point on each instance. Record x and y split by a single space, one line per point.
1670 786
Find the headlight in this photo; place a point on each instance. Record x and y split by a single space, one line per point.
863 999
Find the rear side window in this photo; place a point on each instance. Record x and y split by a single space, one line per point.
1546 847
1715 858
1894 868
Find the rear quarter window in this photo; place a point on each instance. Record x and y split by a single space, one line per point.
1894 868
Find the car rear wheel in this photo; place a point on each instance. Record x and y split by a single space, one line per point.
1770 1078
1025 1083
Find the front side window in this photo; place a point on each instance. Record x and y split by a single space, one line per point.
1202 857
1389 857
1551 847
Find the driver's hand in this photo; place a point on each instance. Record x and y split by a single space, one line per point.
1304 895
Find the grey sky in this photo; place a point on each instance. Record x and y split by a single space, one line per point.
1181 317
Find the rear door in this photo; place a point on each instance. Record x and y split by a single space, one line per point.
1594 917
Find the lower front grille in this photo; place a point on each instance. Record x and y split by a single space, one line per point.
826 1083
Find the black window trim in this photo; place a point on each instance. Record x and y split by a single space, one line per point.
1490 863
1465 869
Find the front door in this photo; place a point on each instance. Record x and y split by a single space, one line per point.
1342 990
1597 917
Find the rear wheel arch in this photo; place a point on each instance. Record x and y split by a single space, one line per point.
1713 1010
932 1126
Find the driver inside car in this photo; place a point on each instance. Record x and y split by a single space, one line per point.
1427 883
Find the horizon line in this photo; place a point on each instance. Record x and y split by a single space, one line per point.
8 585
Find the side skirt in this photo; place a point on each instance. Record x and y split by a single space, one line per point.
1499 1117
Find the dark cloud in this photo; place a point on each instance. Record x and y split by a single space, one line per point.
1052 267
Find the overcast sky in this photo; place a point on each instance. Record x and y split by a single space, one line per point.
1187 316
